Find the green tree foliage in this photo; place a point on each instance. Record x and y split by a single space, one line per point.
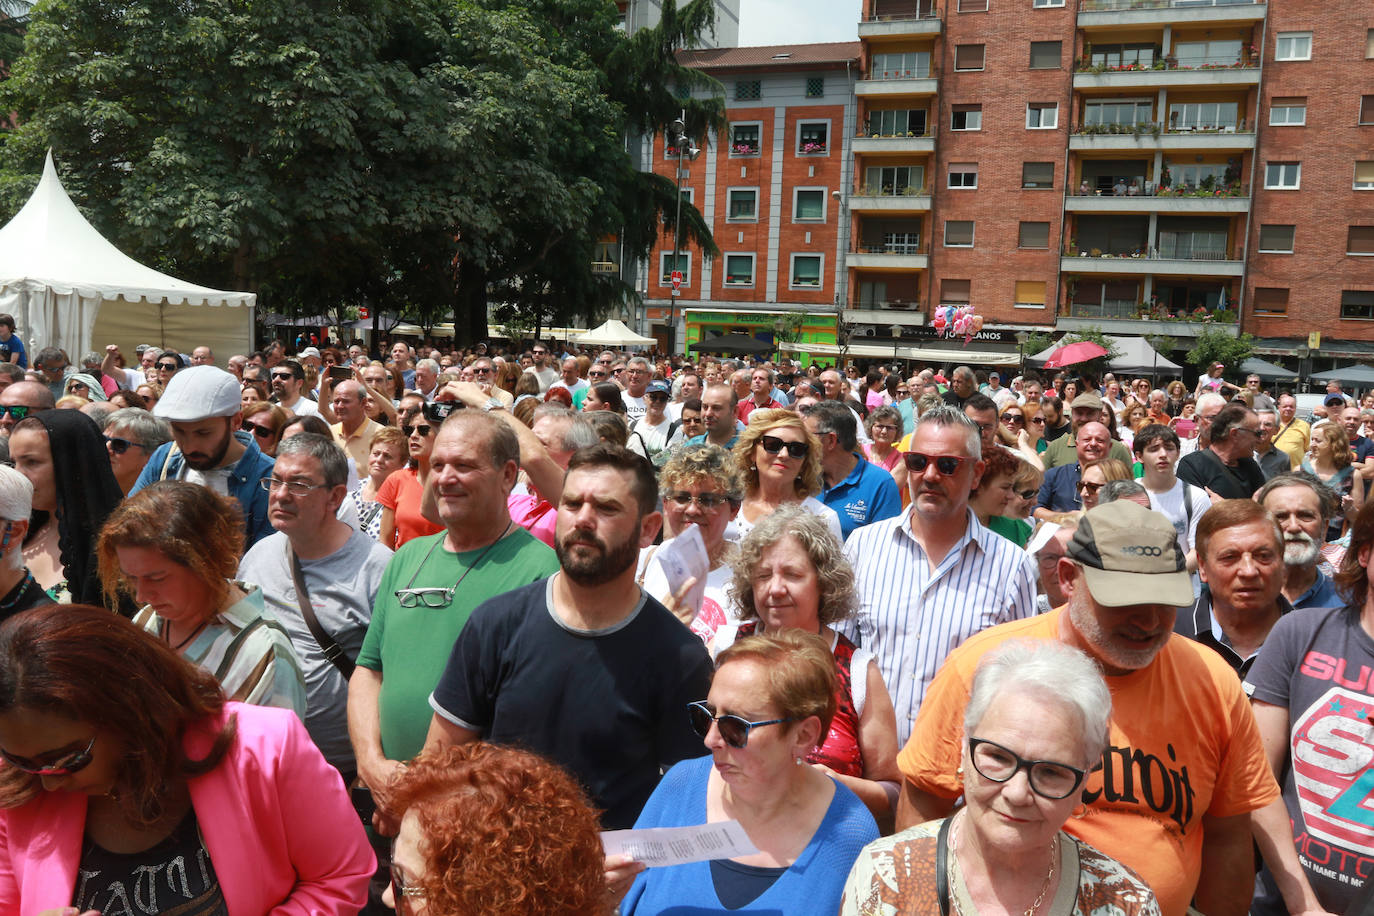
412 155
1214 346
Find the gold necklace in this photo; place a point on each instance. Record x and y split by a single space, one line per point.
951 860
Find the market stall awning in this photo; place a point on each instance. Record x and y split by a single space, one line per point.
900 351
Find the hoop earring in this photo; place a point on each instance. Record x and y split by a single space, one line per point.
1077 814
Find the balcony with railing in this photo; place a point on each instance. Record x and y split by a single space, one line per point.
1152 135
886 80
1126 317
875 140
900 19
1147 198
890 199
1179 261
906 312
1155 70
1117 13
892 251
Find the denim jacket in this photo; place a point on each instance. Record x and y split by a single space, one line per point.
166 463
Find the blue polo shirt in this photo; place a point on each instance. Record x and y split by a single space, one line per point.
1321 593
1059 492
701 440
867 495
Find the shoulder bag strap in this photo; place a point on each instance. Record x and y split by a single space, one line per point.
942 866
332 650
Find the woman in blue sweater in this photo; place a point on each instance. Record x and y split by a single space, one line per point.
770 704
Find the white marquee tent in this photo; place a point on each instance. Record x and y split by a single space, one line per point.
68 287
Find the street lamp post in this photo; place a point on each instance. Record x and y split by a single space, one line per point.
684 146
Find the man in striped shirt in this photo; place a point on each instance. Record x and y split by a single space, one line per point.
933 576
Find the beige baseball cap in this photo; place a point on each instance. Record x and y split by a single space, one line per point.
1130 555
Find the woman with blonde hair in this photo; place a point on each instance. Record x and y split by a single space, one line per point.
1096 475
1329 460
781 462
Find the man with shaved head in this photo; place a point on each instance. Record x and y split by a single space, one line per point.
20 400
355 428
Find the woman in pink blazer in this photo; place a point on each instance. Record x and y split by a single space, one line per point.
129 784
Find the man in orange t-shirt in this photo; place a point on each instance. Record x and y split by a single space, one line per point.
1184 767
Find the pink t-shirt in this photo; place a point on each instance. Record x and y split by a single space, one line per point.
535 515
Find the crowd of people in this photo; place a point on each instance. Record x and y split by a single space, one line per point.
339 630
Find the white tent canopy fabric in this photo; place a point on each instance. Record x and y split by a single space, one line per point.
68 287
615 333
1136 357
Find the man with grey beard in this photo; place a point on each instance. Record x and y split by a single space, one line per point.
1302 506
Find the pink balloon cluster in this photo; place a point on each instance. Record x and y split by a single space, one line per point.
959 319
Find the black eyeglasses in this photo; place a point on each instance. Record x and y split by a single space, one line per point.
120 446
421 428
734 730
169 367
1047 778
707 501
773 445
262 432
74 762
948 465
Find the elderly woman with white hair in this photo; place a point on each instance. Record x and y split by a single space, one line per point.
19 591
1035 725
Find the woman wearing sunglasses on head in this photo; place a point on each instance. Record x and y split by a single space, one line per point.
771 703
264 421
781 462
1035 724
400 495
131 435
128 778
174 547
791 574
489 829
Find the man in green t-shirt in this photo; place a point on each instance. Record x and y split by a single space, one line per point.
430 587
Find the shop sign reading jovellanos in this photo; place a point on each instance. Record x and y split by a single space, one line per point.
927 332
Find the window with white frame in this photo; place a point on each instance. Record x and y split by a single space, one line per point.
894 180
684 264
1293 46
1359 240
813 138
1203 115
1042 115
966 117
973 6
1029 294
900 65
742 204
808 205
1118 111
1276 239
1288 112
898 122
1357 303
739 270
745 138
1364 175
963 175
1113 56
806 271
1367 109
969 57
1282 176
958 233
1045 4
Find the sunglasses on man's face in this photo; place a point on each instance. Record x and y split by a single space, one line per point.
947 465
284 376
63 766
18 411
773 445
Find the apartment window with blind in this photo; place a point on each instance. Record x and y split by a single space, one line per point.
955 292
1045 55
966 117
1271 300
806 271
1360 240
963 175
1030 294
743 205
1364 175
808 205
1369 45
1042 115
1293 46
1283 176
1037 174
1358 303
1367 109
1034 235
973 6
1288 112
969 57
739 270
1275 239
958 233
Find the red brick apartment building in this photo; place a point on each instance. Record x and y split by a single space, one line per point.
771 191
1142 166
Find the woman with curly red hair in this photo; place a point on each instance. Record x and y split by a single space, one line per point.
488 829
